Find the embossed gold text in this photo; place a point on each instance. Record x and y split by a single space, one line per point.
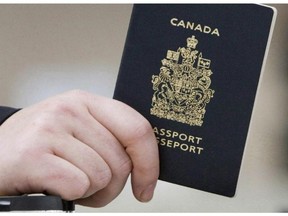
195 26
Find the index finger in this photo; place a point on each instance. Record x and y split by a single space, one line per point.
136 135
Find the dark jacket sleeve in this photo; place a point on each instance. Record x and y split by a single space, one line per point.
6 112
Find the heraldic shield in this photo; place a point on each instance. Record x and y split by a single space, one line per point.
181 90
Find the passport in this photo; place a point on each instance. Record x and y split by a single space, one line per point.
193 71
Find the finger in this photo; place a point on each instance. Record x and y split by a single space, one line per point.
136 135
57 176
86 159
98 138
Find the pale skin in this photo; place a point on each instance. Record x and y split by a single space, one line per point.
80 146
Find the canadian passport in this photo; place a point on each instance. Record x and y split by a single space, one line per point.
193 70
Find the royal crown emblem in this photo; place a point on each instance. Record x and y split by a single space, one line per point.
181 90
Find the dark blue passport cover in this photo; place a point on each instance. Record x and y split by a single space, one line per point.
193 70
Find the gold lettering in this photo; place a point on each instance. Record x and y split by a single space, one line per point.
174 134
181 146
198 27
198 139
192 149
163 141
162 132
156 130
183 137
195 27
207 29
199 150
173 21
168 133
169 143
216 32
191 139
176 144
184 149
190 25
181 23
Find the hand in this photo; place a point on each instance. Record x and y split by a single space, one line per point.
79 146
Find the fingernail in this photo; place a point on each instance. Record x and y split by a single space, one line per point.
147 194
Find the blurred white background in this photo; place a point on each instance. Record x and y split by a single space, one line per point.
48 49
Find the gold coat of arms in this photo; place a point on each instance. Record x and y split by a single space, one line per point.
181 90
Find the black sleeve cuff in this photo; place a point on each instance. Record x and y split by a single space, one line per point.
6 112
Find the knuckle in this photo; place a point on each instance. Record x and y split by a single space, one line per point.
78 192
81 189
73 186
42 125
62 107
102 179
